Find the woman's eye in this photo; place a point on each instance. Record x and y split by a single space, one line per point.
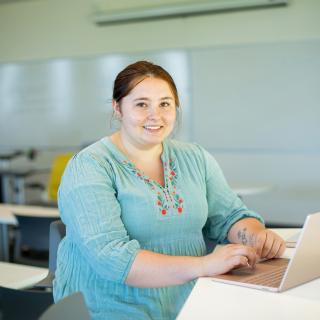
141 105
165 104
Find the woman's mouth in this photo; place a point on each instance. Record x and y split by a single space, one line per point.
153 129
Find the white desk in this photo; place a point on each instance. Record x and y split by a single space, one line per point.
17 276
213 300
7 218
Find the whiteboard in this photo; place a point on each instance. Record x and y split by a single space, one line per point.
244 98
67 102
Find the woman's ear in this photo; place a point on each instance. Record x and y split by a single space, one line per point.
116 109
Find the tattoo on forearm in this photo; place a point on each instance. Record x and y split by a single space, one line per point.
245 238
242 236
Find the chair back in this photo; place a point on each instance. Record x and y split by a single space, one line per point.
32 234
57 233
23 304
34 231
57 169
72 307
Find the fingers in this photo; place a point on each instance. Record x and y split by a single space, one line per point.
260 243
227 258
281 250
274 249
243 255
269 245
239 261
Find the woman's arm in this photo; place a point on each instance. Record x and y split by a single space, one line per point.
225 208
250 239
251 232
229 219
151 269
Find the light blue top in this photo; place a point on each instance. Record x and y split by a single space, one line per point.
111 211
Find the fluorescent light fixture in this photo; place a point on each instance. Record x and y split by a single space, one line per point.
108 11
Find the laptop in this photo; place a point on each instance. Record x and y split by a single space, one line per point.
280 274
291 242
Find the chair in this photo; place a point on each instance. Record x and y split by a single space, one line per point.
23 304
32 237
57 233
72 307
57 169
58 166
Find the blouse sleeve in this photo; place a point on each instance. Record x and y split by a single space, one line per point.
92 214
224 206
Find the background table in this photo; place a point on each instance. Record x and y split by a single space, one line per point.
17 276
7 218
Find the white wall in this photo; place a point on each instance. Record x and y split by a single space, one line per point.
41 29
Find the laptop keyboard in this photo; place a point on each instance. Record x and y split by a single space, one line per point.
270 278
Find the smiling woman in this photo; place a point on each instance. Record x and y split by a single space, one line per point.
147 115
136 205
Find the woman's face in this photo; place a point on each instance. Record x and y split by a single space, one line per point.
147 113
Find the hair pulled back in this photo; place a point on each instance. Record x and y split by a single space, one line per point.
134 73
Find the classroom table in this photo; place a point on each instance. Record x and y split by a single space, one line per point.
214 300
7 218
18 276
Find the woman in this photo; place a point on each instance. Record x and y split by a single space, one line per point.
136 204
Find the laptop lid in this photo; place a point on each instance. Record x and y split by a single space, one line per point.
304 266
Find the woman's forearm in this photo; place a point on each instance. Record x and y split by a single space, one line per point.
154 270
245 231
251 232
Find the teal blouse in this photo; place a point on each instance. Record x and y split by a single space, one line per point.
112 210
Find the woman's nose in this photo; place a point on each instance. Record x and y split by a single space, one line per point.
154 112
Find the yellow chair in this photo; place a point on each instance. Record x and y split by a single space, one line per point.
49 192
57 169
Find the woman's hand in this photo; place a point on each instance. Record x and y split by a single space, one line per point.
268 244
251 232
226 258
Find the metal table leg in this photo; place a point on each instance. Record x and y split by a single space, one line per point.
4 242
6 188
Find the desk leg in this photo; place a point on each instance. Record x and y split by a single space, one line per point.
6 189
4 242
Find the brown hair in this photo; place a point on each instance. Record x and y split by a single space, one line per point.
134 73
